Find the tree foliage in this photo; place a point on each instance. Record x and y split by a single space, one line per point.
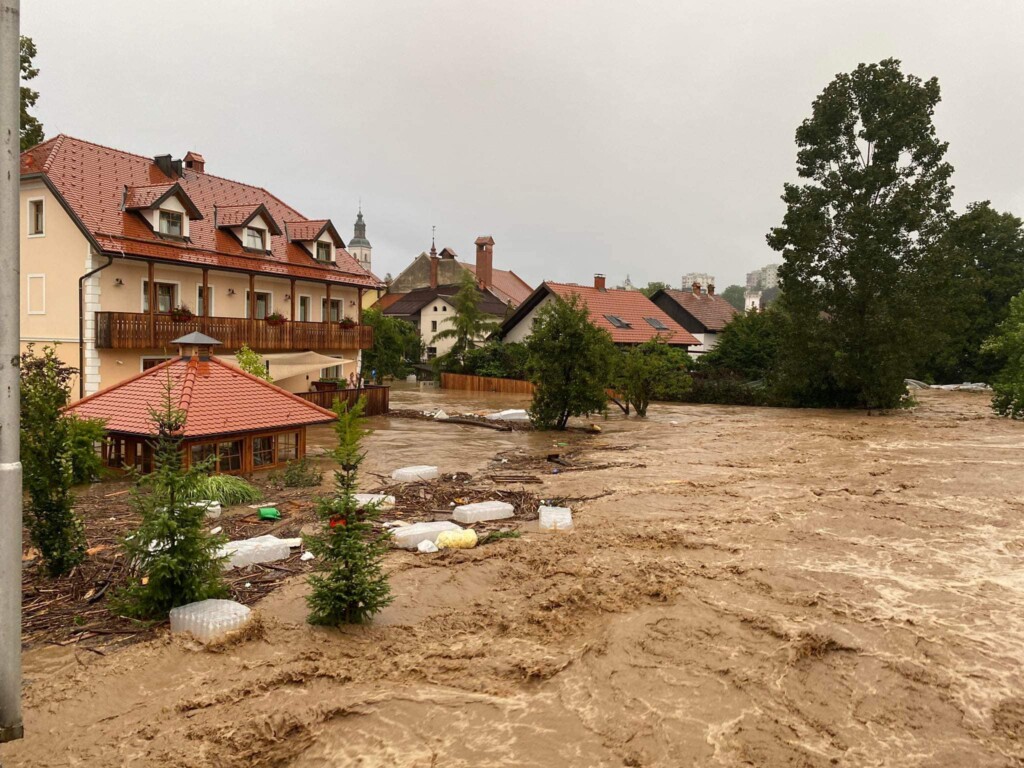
396 345
735 295
31 128
862 271
746 347
251 362
470 324
494 359
570 363
47 460
174 560
351 585
651 371
653 287
1007 346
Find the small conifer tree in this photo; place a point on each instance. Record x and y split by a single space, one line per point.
176 559
351 585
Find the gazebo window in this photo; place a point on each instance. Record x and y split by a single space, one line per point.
229 456
263 451
287 446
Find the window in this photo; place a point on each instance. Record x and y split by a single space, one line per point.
201 301
201 453
35 218
435 307
255 239
115 452
305 308
229 456
323 251
149 362
263 303
444 308
433 325
335 310
656 324
170 224
287 447
263 451
617 321
431 353
166 296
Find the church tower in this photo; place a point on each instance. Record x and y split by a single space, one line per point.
359 246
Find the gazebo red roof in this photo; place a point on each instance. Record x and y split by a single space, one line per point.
218 399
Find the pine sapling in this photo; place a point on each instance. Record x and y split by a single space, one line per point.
175 559
351 585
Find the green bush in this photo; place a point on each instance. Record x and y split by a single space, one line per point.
1007 345
652 371
229 490
493 359
301 473
84 435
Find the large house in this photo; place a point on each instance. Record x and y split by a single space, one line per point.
121 254
702 314
423 293
628 316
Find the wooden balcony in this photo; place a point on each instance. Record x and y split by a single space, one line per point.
135 330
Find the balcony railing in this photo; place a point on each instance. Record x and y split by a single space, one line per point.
135 330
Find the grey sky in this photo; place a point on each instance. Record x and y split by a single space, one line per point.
648 138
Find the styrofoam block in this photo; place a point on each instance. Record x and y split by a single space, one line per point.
213 508
293 543
441 415
555 518
261 549
411 474
512 414
483 510
410 536
209 620
382 501
427 546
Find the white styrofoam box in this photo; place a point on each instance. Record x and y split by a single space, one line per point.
307 555
293 543
411 474
383 502
409 536
483 510
261 549
555 518
209 620
441 415
427 546
213 508
512 414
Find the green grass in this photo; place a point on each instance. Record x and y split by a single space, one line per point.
228 490
498 536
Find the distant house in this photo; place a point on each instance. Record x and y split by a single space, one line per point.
241 422
702 314
423 293
629 316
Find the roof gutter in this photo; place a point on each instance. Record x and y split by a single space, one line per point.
81 321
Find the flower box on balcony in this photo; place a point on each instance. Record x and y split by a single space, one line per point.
181 314
347 322
275 318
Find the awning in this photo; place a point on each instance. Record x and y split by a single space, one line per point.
284 365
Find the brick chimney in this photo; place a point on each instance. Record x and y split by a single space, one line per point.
485 261
599 281
696 288
711 289
195 162
433 269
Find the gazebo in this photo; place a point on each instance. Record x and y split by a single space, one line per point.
242 421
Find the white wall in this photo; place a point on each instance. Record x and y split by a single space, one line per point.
172 203
521 331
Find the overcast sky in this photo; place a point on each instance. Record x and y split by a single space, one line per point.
648 138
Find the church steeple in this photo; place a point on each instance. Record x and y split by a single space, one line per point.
359 246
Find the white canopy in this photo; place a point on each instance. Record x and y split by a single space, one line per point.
284 365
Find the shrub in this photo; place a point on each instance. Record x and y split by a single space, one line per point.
83 437
494 359
1007 345
227 489
301 473
251 362
351 585
652 371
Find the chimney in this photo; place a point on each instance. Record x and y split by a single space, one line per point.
485 261
195 162
696 288
165 164
599 282
711 289
433 270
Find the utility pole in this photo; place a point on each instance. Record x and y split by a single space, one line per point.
10 401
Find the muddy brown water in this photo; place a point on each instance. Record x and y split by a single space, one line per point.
773 588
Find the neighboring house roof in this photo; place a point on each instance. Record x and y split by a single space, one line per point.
631 307
506 284
94 181
412 302
387 300
218 399
711 311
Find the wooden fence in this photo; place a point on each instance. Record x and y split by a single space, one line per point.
485 384
378 398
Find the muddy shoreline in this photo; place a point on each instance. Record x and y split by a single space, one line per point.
744 587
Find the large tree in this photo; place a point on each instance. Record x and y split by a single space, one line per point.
470 323
736 296
31 128
863 279
396 346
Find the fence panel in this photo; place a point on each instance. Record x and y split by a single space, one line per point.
485 384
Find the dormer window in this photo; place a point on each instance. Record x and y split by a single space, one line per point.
255 239
323 251
171 223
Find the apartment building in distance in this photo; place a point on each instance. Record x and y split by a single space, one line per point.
122 253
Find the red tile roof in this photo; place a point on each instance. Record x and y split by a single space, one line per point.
505 284
218 399
92 180
143 197
713 312
631 306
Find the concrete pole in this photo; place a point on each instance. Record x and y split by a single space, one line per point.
10 405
